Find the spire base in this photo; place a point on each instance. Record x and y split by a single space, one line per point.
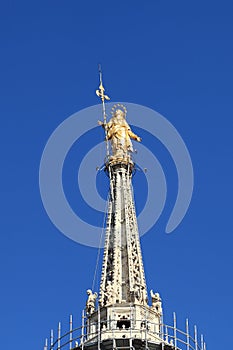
124 321
113 163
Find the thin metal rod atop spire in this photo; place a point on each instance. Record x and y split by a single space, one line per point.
101 90
103 97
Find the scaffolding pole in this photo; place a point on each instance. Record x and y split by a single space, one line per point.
174 330
71 329
187 333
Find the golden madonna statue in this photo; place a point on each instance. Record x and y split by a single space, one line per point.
120 134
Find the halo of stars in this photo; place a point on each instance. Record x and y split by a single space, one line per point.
118 106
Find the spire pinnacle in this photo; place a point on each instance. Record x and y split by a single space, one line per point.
100 92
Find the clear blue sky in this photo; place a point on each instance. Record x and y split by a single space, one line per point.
173 56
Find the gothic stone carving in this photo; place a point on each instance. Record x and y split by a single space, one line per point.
90 304
156 302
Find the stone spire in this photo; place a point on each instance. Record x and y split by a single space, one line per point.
123 279
123 311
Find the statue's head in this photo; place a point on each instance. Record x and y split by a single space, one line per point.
89 291
119 113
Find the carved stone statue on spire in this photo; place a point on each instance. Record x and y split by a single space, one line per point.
156 302
90 304
120 134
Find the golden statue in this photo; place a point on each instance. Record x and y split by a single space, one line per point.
120 134
117 130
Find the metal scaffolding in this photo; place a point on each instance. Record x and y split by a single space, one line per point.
169 336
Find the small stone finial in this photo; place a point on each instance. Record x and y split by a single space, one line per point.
90 304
